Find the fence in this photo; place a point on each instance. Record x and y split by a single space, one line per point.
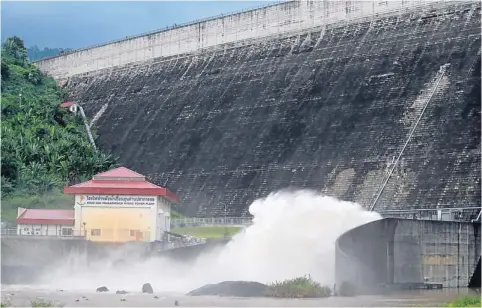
446 214
210 221
466 214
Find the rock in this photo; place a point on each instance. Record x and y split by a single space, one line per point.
176 303
233 288
147 288
156 297
102 289
123 299
120 292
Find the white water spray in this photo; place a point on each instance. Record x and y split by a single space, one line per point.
293 234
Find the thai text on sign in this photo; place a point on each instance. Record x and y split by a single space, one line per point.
136 201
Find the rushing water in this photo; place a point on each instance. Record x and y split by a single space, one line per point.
293 234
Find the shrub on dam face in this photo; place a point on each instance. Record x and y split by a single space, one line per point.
301 287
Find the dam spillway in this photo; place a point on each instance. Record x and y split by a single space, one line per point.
324 106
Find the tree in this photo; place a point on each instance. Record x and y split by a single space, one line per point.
14 47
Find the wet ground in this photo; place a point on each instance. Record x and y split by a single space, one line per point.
22 296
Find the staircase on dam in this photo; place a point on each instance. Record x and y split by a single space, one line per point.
327 107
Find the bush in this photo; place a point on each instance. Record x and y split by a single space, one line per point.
466 301
43 303
5 304
301 287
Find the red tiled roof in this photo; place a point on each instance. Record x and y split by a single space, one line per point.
66 104
46 217
106 184
121 172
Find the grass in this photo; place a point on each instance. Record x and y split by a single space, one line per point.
5 304
43 303
466 301
301 287
55 200
207 232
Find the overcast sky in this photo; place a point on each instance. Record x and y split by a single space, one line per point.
72 24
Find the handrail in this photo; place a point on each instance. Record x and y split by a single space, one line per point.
440 74
168 28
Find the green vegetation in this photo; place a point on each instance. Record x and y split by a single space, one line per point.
5 304
301 287
466 301
43 303
44 147
207 232
34 53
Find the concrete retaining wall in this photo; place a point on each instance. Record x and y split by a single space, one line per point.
274 20
24 260
394 251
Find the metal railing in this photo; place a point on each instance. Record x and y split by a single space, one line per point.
428 98
14 232
168 28
210 221
466 214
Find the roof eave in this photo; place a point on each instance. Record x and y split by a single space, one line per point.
32 221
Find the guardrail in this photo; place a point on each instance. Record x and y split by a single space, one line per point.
210 221
168 28
465 214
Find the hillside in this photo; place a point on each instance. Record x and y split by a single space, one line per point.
43 147
34 53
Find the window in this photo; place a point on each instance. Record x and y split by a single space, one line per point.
95 232
133 232
67 232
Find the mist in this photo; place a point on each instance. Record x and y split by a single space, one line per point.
293 234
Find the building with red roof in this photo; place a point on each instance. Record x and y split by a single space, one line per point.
45 222
120 205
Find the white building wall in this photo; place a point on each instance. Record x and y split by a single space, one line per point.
163 217
285 18
42 230
121 202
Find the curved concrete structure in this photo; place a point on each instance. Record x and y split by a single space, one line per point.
396 253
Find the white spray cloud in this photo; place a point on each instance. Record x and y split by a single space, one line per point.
293 234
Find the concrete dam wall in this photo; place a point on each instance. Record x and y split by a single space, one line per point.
391 251
383 107
268 21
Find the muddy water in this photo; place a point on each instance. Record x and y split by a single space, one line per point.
21 296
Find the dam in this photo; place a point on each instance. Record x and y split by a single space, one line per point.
374 102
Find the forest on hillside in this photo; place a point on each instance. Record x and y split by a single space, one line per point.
34 53
44 147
